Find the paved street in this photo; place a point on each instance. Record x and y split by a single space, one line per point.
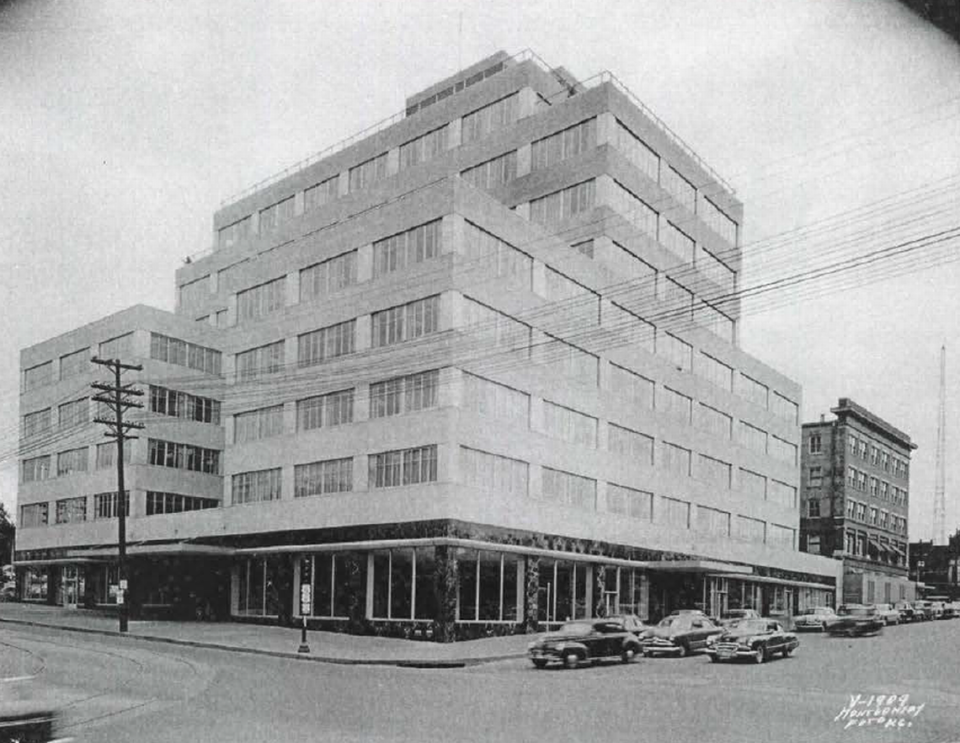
113 690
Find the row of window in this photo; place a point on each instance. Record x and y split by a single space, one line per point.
858 480
69 414
105 505
879 457
71 461
76 362
860 544
859 511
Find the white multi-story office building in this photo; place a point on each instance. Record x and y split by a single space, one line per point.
474 371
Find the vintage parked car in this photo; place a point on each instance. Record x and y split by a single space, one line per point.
734 615
585 640
907 614
888 614
814 619
854 620
679 634
756 639
924 610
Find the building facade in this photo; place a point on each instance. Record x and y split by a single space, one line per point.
477 371
855 485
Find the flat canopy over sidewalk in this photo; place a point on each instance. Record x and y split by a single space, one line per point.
331 647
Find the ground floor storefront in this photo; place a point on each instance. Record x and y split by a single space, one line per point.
435 581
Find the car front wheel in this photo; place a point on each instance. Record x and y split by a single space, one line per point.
787 652
628 654
540 663
759 656
684 651
571 660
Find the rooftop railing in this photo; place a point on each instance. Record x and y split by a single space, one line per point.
526 55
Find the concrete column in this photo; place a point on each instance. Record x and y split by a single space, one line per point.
298 203
446 585
343 185
539 278
231 310
454 130
361 473
448 304
536 414
524 160
235 578
448 462
531 593
363 339
255 223
213 282
605 190
361 402
227 489
393 161
289 418
140 345
527 105
451 388
292 289
602 486
368 605
606 129
452 234
229 428
290 352
536 481
642 596
364 263
600 574
228 367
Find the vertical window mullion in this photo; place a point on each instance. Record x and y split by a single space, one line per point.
389 584
500 614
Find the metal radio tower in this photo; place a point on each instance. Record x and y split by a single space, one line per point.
939 490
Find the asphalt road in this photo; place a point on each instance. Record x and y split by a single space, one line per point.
121 690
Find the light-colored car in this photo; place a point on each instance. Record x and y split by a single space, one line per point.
814 619
888 614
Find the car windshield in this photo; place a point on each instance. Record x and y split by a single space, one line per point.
859 611
676 621
750 625
575 628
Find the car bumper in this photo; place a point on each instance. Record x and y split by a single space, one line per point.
660 648
726 653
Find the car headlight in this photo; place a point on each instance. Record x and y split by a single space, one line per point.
712 639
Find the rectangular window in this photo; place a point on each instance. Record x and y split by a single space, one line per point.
781 536
713 521
367 173
712 421
816 477
632 445
194 293
782 494
275 215
258 424
260 301
259 361
183 456
160 503
563 204
181 353
406 322
496 400
490 118
37 422
73 413
424 148
753 438
813 544
815 443
327 343
569 425
636 504
784 407
677 242
256 487
74 364
73 460
679 187
403 467
563 145
753 485
406 394
120 347
323 279
35 469
719 222
675 352
567 489
785 451
675 406
715 372
320 194
407 248
105 505
635 210
37 376
813 508
716 271
637 152
492 173
631 387
184 405
325 411
673 512
676 459
751 530
71 510
486 250
714 472
107 454
320 478
640 333
35 514
493 472
754 391
229 236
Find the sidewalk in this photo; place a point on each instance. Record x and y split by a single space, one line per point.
327 647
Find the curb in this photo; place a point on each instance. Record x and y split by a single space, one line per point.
425 664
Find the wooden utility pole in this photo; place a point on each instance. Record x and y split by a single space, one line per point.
116 397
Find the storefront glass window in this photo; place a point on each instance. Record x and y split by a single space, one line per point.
467 569
401 580
426 596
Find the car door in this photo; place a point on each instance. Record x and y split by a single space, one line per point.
776 639
699 631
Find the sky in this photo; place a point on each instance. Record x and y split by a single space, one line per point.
124 125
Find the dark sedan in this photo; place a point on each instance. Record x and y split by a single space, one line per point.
585 640
679 634
756 639
856 620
